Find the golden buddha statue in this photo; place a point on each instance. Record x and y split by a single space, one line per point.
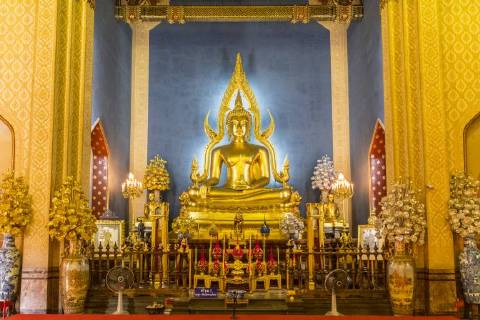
249 167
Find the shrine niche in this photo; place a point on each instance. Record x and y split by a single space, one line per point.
377 167
7 146
472 147
99 181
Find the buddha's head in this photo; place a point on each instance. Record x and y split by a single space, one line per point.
238 121
331 198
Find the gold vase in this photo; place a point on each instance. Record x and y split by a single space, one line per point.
401 280
75 280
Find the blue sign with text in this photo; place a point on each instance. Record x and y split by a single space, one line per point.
206 292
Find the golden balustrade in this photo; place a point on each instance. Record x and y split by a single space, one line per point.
297 269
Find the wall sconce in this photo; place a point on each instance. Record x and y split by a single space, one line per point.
131 188
342 188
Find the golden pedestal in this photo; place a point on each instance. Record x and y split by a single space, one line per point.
159 222
224 222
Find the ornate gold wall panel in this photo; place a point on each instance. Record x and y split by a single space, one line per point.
460 29
74 61
16 78
440 243
27 35
29 52
87 94
139 109
402 92
340 101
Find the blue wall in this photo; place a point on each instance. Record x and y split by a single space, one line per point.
366 99
288 67
111 95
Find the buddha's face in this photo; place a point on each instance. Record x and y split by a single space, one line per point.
239 127
330 198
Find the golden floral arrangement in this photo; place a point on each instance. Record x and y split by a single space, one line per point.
70 216
15 204
402 218
464 205
183 225
156 175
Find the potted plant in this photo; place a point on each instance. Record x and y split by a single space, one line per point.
71 219
464 217
402 224
156 177
15 214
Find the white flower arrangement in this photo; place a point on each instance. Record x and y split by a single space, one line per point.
402 218
324 174
291 224
464 205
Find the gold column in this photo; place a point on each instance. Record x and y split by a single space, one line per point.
32 34
415 116
340 102
139 108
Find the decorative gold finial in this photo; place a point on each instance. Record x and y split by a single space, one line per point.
238 72
238 101
238 111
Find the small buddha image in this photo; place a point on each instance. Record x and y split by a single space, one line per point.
141 229
238 223
151 207
107 237
330 210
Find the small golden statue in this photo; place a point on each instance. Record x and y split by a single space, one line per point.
152 207
238 224
330 210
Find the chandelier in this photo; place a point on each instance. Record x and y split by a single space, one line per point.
131 188
342 188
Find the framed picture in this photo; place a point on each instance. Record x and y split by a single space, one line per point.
367 235
110 232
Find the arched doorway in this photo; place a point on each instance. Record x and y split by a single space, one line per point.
471 142
377 167
100 152
7 146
